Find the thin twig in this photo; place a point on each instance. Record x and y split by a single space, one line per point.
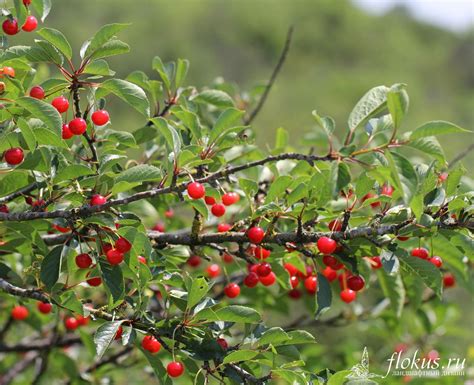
461 155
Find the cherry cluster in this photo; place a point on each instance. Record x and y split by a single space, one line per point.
10 25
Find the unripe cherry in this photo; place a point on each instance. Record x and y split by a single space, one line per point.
100 117
77 126
10 26
19 313
268 280
142 259
123 245
169 213
14 156
194 260
37 92
83 261
175 369
251 280
311 284
356 283
326 245
255 234
223 227
348 295
44 307
61 104
218 210
230 198
66 132
420 252
30 24
151 344
97 200
213 270
114 256
71 323
232 290
264 269
196 190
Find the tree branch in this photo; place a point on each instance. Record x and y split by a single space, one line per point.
273 77
461 155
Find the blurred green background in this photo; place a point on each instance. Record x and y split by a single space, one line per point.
339 52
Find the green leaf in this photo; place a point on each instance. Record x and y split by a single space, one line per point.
392 286
173 140
227 119
47 137
370 105
240 356
214 97
278 187
51 267
99 67
198 290
325 122
273 336
140 173
181 72
397 103
111 48
58 40
339 378
431 146
21 12
42 7
128 92
104 336
165 71
113 279
43 111
340 177
27 133
73 171
323 296
403 174
232 313
425 270
436 127
102 36
454 178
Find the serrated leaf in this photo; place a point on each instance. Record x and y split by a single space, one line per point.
113 280
232 313
240 356
140 173
104 336
128 92
425 270
214 97
436 127
198 290
171 136
431 146
102 36
111 48
278 187
57 39
43 7
227 119
43 111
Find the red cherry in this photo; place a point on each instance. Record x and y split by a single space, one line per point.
291 269
251 280
30 24
26 2
7 71
169 213
10 26
223 227
175 369
223 343
218 210
442 177
255 234
106 247
326 245
97 200
160 227
330 274
375 263
66 132
294 282
114 256
449 280
311 284
295 294
369 196
348 295
330 261
437 261
420 252
307 273
81 320
71 323
142 259
194 260
61 104
264 269
119 333
386 190
209 200
44 307
402 238
61 229
19 313
14 156
230 198
4 209
232 290
213 270
335 225
123 245
227 258
83 261
268 279
196 190
356 283
100 117
95 281
77 126
261 253
37 92
151 344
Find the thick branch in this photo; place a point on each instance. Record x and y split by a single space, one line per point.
20 192
86 210
42 344
20 292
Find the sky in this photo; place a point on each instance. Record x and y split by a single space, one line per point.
456 15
